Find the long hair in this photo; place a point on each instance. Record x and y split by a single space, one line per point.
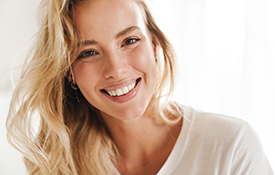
71 137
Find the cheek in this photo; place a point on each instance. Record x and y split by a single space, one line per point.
144 59
85 75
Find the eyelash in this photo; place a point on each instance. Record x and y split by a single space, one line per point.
90 53
133 40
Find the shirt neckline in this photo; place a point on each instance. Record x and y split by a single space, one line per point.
177 152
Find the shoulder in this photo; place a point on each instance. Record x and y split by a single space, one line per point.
219 129
214 124
232 140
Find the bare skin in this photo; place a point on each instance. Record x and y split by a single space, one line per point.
144 146
119 50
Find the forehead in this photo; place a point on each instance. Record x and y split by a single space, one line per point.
106 16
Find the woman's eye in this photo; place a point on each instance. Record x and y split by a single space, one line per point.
130 41
88 53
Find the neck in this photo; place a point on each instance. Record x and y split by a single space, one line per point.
137 136
143 143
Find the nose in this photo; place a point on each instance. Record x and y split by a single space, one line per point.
116 65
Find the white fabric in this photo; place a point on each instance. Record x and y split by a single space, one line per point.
211 144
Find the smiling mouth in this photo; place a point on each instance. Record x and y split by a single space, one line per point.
121 91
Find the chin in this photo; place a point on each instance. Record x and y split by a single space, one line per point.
128 114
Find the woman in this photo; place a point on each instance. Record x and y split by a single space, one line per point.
95 83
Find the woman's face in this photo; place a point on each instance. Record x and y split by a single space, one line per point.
116 67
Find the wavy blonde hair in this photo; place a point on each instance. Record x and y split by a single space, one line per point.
71 138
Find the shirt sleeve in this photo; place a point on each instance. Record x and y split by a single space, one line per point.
249 157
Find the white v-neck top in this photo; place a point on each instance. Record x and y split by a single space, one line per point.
212 144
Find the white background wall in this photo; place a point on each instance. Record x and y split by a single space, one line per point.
226 52
17 26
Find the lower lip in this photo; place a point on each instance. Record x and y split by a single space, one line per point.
126 97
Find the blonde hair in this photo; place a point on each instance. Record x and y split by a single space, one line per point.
72 138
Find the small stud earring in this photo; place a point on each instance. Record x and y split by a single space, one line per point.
74 86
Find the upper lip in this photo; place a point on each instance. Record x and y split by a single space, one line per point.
120 85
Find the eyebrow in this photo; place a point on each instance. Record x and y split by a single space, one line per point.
127 30
87 42
123 32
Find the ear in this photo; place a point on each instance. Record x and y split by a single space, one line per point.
69 75
155 45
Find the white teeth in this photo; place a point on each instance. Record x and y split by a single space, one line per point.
125 90
122 91
119 92
133 85
113 93
130 86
